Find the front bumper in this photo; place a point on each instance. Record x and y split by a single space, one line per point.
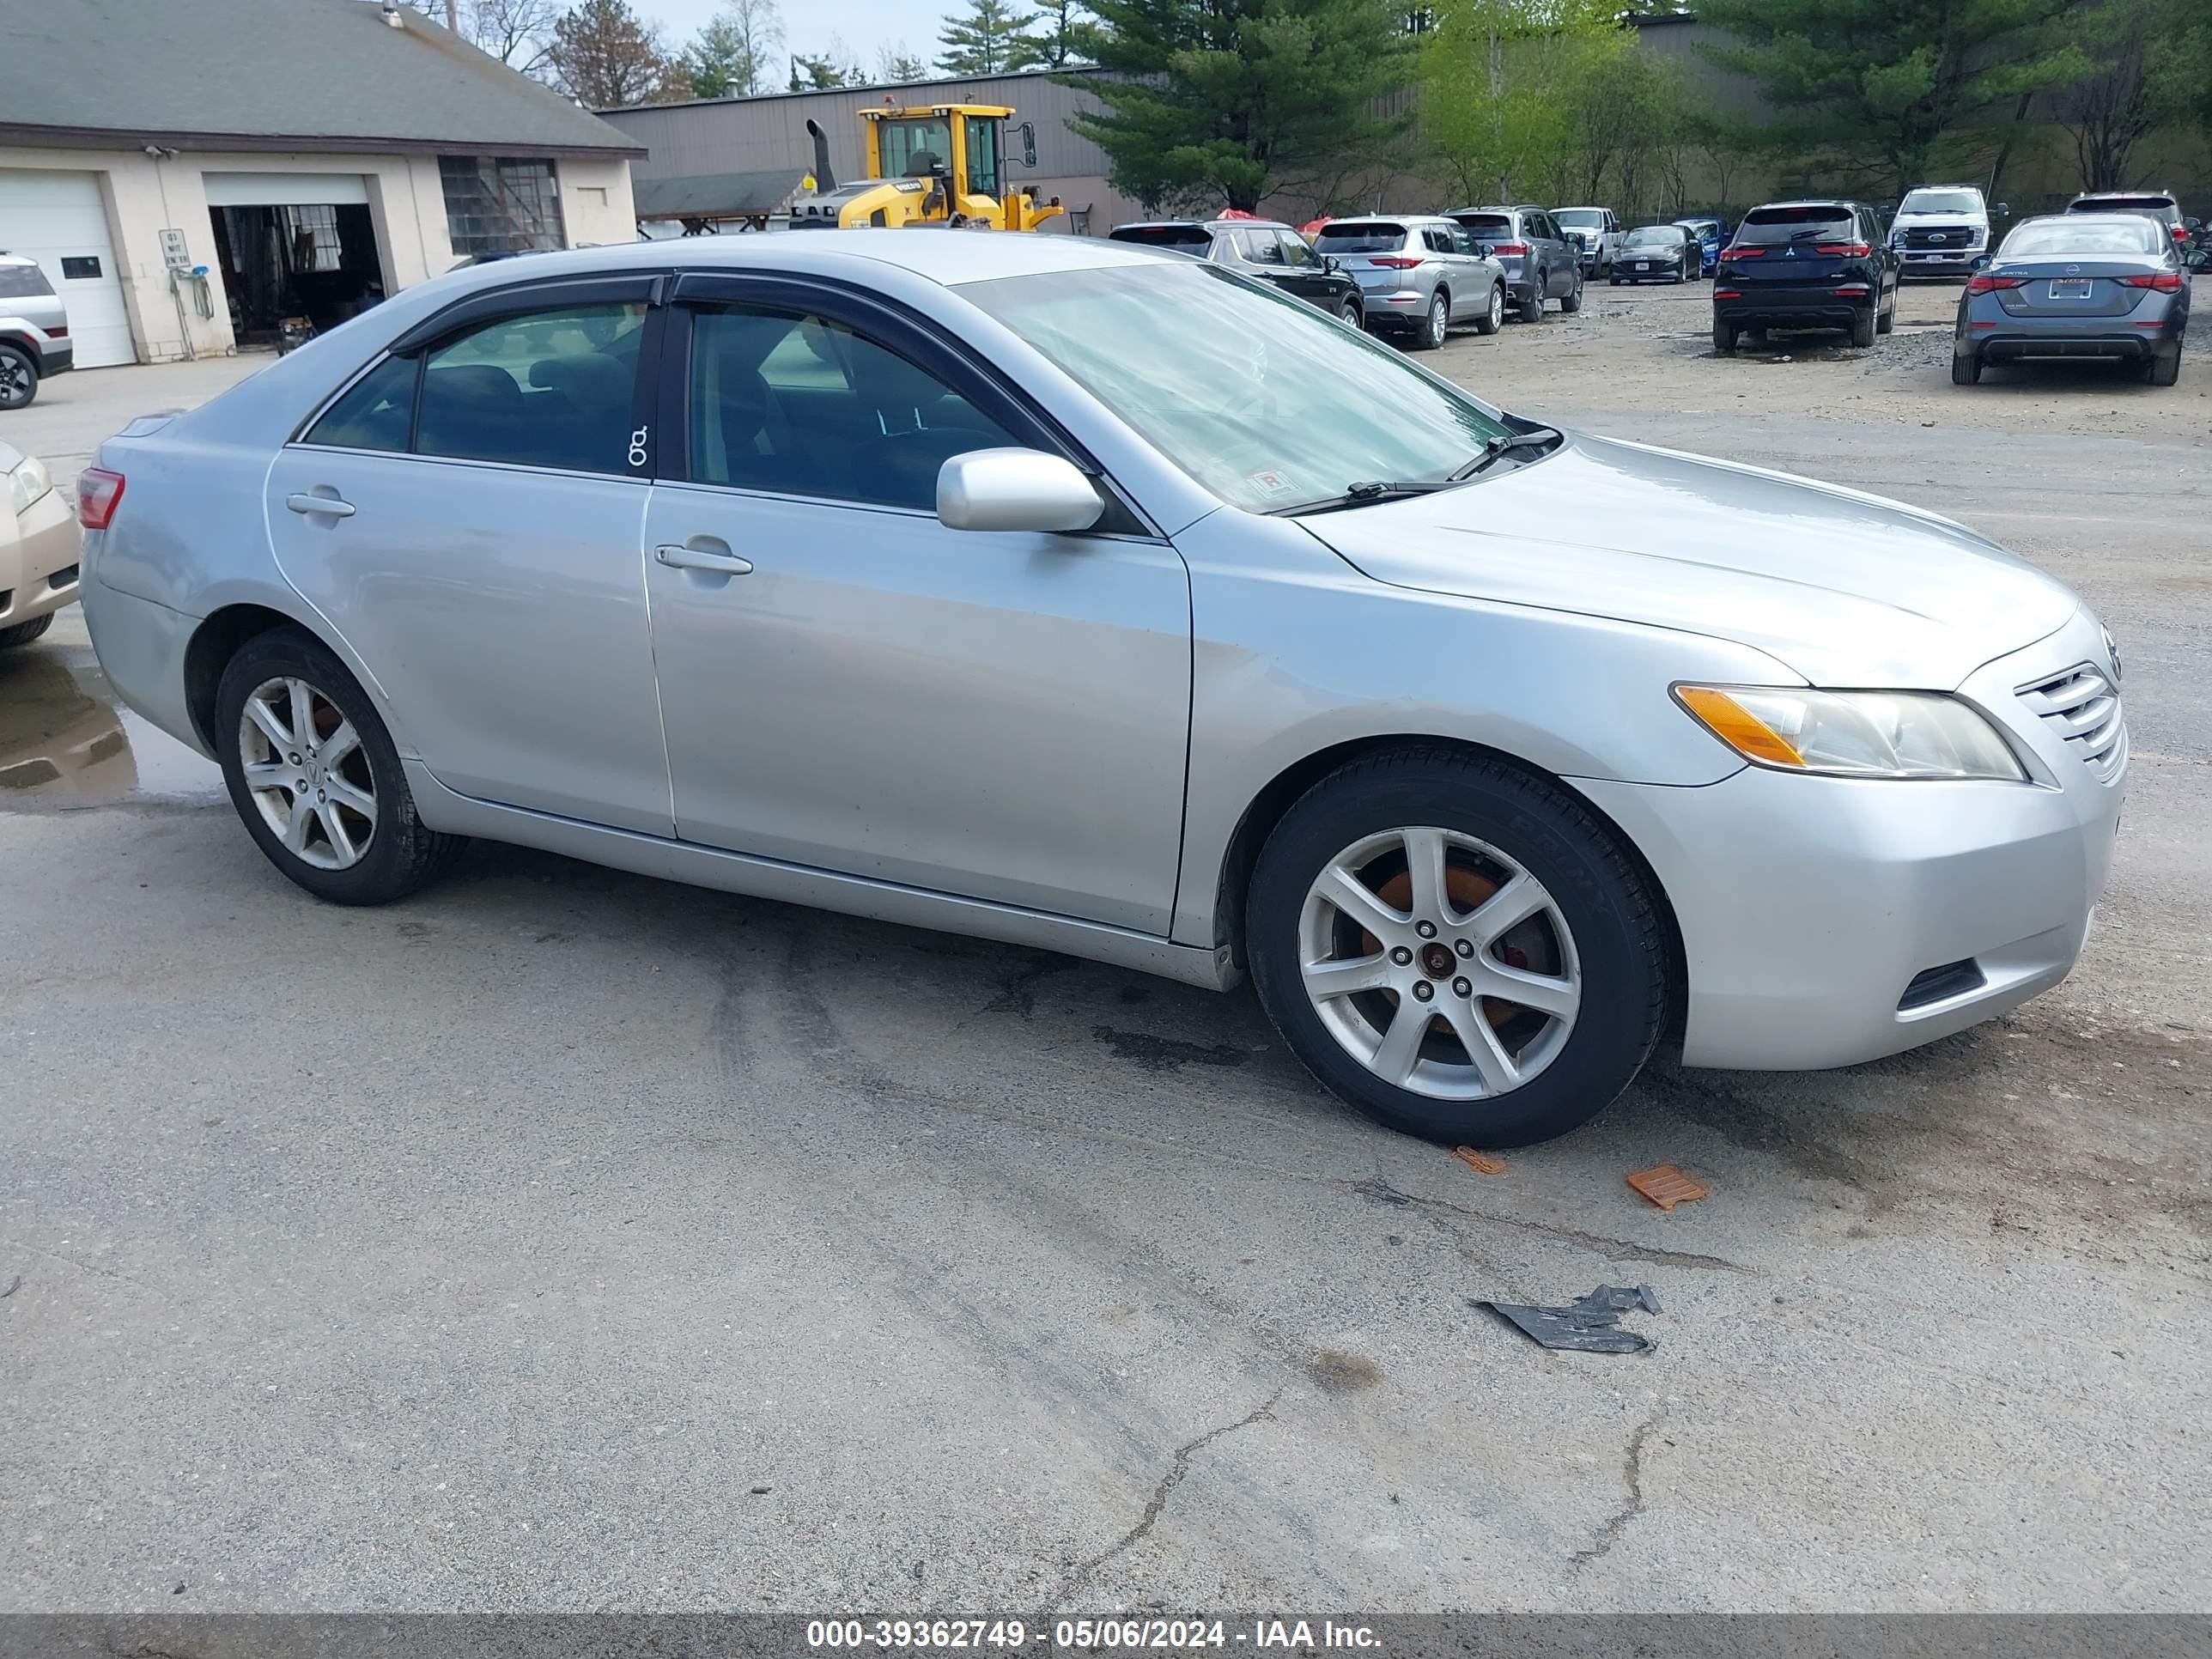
1656 270
1809 907
41 550
1916 262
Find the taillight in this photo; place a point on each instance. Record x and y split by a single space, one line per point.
1843 250
58 332
1743 252
1851 287
2180 232
1727 293
2165 281
1508 247
98 493
1393 262
1983 282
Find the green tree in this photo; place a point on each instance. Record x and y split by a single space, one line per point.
990 37
1493 79
1884 83
604 56
1214 102
730 56
1060 43
821 74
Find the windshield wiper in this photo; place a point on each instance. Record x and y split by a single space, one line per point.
1505 445
1364 494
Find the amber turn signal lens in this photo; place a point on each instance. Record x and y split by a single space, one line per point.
1738 727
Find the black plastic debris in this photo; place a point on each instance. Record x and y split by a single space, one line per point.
1591 1325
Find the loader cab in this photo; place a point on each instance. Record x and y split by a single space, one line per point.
957 144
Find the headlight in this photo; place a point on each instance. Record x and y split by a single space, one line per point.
28 482
1854 734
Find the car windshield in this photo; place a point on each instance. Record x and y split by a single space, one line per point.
1260 398
1774 225
1939 201
1358 236
1165 235
1655 236
1580 218
2079 235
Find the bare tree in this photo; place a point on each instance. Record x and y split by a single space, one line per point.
896 65
519 33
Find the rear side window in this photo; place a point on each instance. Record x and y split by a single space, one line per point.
23 283
1771 226
377 413
1360 236
1191 236
548 388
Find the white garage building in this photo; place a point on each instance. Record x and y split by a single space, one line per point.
190 176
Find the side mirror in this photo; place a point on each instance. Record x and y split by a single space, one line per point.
2200 259
1981 263
2004 208
1484 250
1015 490
1328 263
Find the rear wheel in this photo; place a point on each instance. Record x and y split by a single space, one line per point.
2165 365
19 378
1862 328
1532 308
1457 948
24 633
1493 314
1436 324
1965 368
1724 336
315 777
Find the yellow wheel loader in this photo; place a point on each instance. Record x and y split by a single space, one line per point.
943 165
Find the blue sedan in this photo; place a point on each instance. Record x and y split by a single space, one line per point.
1712 236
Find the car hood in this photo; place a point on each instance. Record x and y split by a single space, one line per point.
1844 589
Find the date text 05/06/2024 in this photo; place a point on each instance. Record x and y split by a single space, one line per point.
1107 1635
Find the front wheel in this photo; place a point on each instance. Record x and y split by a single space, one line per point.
1493 314
1571 300
1457 948
1532 308
24 633
1348 314
1436 325
315 777
1887 320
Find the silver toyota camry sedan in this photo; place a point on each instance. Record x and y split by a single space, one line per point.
1068 594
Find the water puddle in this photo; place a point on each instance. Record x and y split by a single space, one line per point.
65 742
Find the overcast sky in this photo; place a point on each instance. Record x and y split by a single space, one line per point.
863 25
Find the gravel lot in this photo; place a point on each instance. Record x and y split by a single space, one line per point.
561 1239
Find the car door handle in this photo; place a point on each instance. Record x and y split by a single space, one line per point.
678 557
304 503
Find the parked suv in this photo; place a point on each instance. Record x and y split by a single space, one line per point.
34 340
1540 263
1595 232
2160 204
1258 247
1806 264
1940 230
1419 275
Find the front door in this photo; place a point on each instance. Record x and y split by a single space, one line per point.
848 684
467 515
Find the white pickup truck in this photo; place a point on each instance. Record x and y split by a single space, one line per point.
1597 232
1940 229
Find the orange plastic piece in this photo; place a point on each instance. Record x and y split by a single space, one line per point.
1667 1185
1480 1163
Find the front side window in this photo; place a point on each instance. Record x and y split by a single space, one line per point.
501 204
914 150
983 158
1259 397
784 401
1260 246
1295 249
549 388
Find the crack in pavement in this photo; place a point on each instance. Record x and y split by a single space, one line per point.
1631 1477
1379 1191
1264 1412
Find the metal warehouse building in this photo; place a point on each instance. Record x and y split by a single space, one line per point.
698 152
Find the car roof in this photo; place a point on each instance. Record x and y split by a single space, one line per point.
1804 200
1386 219
1204 224
1976 189
2124 195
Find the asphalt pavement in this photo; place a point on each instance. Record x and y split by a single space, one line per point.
564 1239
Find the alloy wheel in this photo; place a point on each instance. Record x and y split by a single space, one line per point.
1439 319
1439 964
14 381
1496 309
307 772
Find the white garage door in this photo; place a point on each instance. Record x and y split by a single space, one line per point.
56 219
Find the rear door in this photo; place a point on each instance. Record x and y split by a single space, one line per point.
1303 274
466 515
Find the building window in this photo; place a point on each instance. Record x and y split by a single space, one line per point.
312 236
501 203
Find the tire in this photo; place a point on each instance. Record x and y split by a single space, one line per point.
1437 324
1614 281
1967 370
1595 946
1349 313
1532 308
1723 336
24 633
398 853
1887 320
2165 367
19 378
1678 278
1571 300
1862 328
1493 314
